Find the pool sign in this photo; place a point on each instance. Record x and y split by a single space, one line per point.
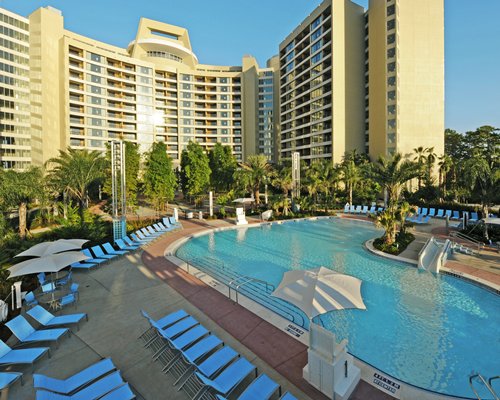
386 384
293 330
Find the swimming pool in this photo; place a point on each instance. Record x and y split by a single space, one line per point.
426 330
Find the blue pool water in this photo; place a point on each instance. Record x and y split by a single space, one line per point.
429 331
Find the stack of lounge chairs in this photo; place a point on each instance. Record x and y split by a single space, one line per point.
101 254
203 366
362 210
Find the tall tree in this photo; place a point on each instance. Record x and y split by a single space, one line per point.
420 159
18 190
222 164
159 177
392 174
445 164
195 170
74 171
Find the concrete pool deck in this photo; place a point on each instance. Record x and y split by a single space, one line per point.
113 296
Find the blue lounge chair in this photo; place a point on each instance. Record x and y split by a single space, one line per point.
121 244
456 215
76 381
92 259
27 334
161 228
163 322
228 379
423 221
440 214
288 396
423 211
346 208
211 365
154 231
111 251
358 209
474 217
175 346
48 287
30 299
138 235
261 388
8 378
142 240
9 356
121 393
174 330
197 351
352 209
373 210
45 318
432 212
131 243
447 214
86 266
92 392
150 232
100 254
364 210
380 209
173 222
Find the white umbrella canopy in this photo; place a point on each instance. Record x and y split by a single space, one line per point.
320 290
51 263
48 248
244 200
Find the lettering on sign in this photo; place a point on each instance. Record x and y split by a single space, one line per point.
387 384
294 330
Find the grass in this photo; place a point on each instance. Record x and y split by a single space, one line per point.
396 248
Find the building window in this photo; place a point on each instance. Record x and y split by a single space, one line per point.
391 10
316 23
391 81
391 109
95 89
186 77
316 34
391 67
223 80
94 57
316 46
391 138
391 38
391 52
288 47
316 58
391 95
186 86
94 68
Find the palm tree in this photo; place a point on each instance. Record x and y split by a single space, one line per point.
445 163
74 171
282 179
257 169
350 175
392 173
420 158
480 176
429 161
387 221
19 189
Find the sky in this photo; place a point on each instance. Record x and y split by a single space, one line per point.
222 31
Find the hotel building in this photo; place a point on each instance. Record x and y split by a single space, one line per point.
85 93
15 136
369 81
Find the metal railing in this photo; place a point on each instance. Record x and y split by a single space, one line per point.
470 240
255 289
487 385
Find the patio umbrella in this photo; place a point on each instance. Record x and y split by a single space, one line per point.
50 263
320 290
244 200
47 248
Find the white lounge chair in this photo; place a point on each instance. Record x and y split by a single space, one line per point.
240 216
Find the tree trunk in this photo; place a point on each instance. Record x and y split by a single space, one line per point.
257 196
350 194
80 210
22 219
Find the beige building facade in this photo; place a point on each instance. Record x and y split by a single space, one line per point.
85 93
15 136
404 76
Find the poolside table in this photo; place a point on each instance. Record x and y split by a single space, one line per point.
52 299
